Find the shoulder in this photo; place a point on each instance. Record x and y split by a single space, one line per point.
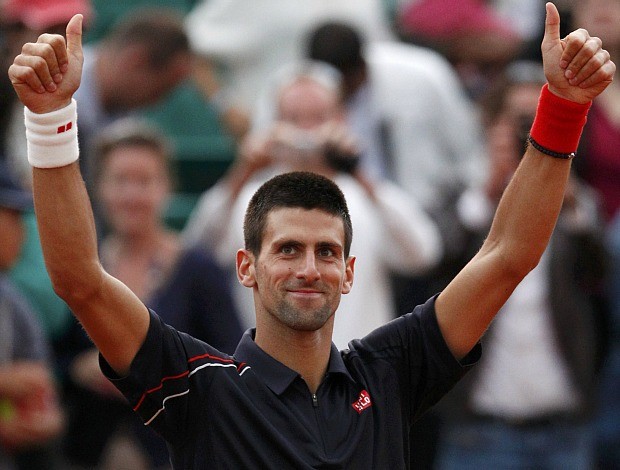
166 353
413 338
397 336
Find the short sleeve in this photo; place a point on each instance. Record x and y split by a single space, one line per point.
161 386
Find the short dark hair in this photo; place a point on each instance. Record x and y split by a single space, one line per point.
160 30
295 189
337 44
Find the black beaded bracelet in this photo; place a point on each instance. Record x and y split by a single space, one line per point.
546 151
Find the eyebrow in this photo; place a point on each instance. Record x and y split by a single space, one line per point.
296 242
329 245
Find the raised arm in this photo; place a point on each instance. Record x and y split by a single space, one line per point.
45 76
577 70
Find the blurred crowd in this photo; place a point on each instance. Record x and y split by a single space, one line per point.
418 109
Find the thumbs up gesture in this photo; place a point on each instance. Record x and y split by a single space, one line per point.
577 67
47 73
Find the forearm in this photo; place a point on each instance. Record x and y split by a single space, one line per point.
67 231
112 315
528 210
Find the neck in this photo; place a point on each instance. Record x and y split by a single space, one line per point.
141 262
305 352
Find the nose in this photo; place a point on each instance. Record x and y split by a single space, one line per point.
308 269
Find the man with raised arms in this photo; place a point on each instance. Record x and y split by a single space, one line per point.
287 398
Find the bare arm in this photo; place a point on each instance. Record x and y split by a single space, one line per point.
113 316
529 208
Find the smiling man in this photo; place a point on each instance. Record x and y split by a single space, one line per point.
288 398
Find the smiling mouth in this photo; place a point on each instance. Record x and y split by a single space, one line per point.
304 293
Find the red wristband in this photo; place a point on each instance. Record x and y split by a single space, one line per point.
559 122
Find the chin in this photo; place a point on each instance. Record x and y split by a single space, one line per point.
305 321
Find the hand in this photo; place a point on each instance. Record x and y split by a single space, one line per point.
34 422
577 67
47 73
335 134
24 379
254 153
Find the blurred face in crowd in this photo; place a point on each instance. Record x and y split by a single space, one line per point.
140 83
307 104
522 100
310 120
133 189
506 135
601 18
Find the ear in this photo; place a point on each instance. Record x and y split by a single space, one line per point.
246 273
347 283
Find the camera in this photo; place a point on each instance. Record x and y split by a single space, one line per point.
344 162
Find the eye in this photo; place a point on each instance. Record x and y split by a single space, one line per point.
325 251
287 249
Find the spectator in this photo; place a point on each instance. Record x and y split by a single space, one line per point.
152 50
469 33
530 402
608 413
247 41
30 416
307 132
600 146
133 182
415 123
397 98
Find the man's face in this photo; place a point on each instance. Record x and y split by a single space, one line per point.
301 272
142 84
600 18
307 105
133 189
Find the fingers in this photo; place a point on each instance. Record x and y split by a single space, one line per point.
41 64
338 135
601 75
583 58
581 53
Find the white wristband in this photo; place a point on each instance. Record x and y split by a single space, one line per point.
52 137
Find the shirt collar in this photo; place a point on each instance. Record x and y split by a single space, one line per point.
276 375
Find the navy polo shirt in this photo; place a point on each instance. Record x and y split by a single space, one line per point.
250 411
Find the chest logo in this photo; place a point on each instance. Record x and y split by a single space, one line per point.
362 402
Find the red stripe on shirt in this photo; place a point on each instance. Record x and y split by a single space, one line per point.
183 374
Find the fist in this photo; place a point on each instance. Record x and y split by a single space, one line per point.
47 73
577 67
